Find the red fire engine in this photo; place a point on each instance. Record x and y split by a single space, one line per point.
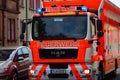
74 40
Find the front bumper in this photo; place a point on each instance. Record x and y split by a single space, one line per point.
73 72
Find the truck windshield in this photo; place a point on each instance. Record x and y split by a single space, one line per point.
59 28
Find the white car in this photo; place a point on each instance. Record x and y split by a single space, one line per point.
14 62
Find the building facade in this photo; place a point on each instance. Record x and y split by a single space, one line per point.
9 11
12 13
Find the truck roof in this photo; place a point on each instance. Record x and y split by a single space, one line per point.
88 3
91 4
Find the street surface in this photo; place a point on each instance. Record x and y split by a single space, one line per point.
111 77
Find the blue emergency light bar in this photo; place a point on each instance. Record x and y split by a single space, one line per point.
40 10
56 9
82 8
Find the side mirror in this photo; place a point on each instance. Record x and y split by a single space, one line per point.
23 27
23 30
22 36
100 34
99 25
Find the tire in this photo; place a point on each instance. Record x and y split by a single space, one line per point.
14 76
101 72
101 75
113 73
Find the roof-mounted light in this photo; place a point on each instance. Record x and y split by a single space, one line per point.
40 10
82 8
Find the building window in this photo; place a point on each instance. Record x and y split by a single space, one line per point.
31 5
11 36
37 3
21 3
0 32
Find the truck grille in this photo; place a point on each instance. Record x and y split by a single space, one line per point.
58 53
58 66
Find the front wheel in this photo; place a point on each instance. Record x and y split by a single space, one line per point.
101 71
14 76
113 73
101 75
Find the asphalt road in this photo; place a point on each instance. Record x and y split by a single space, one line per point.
107 77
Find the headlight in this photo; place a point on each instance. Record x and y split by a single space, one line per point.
32 71
86 71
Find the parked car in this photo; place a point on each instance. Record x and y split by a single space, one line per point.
14 62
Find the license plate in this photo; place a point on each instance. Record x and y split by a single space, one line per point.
58 71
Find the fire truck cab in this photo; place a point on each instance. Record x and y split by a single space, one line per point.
65 42
68 41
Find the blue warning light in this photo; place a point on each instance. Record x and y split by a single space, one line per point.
82 8
40 10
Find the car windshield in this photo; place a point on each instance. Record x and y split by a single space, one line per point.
63 27
4 54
